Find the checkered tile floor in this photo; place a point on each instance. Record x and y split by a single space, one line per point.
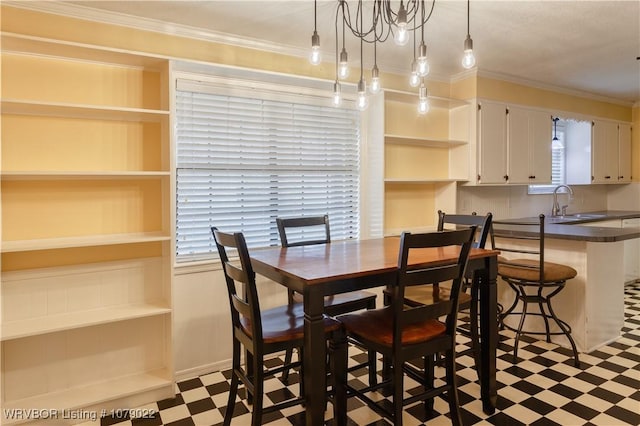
543 388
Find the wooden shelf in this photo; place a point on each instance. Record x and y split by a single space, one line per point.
412 140
82 241
52 323
19 43
435 101
81 175
420 181
79 397
57 109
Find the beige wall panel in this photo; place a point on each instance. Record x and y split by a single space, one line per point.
408 206
415 162
36 209
464 89
402 119
67 81
79 145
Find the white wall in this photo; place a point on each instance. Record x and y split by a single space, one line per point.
513 201
202 320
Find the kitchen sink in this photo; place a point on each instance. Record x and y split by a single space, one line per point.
577 217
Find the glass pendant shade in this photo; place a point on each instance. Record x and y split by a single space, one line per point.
337 94
423 100
343 67
468 59
315 57
363 101
423 63
375 80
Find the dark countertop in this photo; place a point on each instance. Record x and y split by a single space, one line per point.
571 227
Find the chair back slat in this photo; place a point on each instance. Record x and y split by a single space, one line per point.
292 230
462 221
534 231
246 304
409 275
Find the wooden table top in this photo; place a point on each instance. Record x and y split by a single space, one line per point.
320 263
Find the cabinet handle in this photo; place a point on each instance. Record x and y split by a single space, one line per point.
506 177
620 177
532 177
607 177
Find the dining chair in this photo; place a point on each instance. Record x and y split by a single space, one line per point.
267 332
402 333
532 278
309 230
429 294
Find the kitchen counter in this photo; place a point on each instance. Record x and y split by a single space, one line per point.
579 226
593 243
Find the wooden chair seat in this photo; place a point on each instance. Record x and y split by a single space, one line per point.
284 323
529 270
377 326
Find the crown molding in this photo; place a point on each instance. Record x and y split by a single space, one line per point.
558 89
154 25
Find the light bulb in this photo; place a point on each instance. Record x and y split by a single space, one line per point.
343 68
375 80
362 102
414 78
468 59
423 63
401 37
423 106
315 57
423 100
337 94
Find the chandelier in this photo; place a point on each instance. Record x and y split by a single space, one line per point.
401 22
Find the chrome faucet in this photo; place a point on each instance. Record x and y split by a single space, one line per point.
556 207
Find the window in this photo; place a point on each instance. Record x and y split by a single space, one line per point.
558 163
247 157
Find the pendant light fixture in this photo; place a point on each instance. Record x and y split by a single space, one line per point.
385 19
315 57
468 59
375 86
555 142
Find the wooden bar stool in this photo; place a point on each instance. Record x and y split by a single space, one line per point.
534 280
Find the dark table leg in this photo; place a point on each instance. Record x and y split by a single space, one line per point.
488 333
314 357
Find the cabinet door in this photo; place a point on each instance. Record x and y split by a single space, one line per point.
624 152
518 145
540 147
492 156
604 152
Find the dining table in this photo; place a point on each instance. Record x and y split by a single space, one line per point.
316 271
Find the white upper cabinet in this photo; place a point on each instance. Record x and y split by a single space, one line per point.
624 153
492 143
529 146
604 152
514 145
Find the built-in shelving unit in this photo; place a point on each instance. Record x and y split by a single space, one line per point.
86 227
424 156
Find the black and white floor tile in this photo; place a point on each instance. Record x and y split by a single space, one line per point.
542 388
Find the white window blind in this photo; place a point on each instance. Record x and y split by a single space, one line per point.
558 166
244 160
